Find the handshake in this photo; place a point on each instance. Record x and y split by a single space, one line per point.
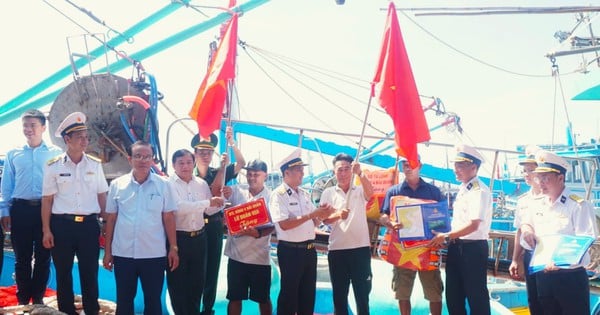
329 214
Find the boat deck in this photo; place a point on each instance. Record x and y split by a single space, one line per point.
505 293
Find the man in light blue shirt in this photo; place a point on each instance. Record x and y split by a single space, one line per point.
21 205
140 220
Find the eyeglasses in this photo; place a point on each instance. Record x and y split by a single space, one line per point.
545 177
139 157
205 152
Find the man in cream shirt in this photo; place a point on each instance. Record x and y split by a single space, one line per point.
194 199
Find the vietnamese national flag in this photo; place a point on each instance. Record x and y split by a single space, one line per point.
212 94
397 91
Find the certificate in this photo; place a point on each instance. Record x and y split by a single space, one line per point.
418 220
562 250
251 214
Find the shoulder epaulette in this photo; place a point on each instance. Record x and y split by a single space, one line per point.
281 190
576 198
54 160
473 186
93 158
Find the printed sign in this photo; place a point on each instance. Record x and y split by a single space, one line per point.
420 218
251 214
562 250
381 180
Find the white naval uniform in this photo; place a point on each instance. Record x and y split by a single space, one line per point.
287 203
473 202
527 203
568 215
75 186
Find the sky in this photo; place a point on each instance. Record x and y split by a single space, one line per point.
498 109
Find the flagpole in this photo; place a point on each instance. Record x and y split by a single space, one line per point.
228 148
358 151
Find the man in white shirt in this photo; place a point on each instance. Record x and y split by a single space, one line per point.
349 254
532 200
295 218
73 195
466 263
194 199
560 290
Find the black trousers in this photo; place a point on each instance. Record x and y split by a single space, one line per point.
26 238
150 272
76 238
350 266
535 308
298 267
466 277
186 283
564 292
214 247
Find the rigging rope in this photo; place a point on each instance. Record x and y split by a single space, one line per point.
89 13
452 120
364 86
188 5
473 57
75 22
288 93
13 108
316 92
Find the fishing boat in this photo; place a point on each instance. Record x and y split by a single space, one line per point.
122 110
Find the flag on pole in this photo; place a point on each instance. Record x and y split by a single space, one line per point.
395 88
212 94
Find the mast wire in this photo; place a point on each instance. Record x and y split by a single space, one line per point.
478 60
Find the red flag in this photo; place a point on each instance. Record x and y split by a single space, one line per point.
398 91
212 94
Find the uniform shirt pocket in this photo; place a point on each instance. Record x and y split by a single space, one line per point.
64 181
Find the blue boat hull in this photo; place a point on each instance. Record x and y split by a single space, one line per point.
382 300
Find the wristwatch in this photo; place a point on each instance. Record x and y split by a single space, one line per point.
175 248
447 239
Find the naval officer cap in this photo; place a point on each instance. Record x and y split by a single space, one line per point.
549 162
291 161
467 153
530 152
73 122
202 143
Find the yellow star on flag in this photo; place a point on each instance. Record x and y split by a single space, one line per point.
410 255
